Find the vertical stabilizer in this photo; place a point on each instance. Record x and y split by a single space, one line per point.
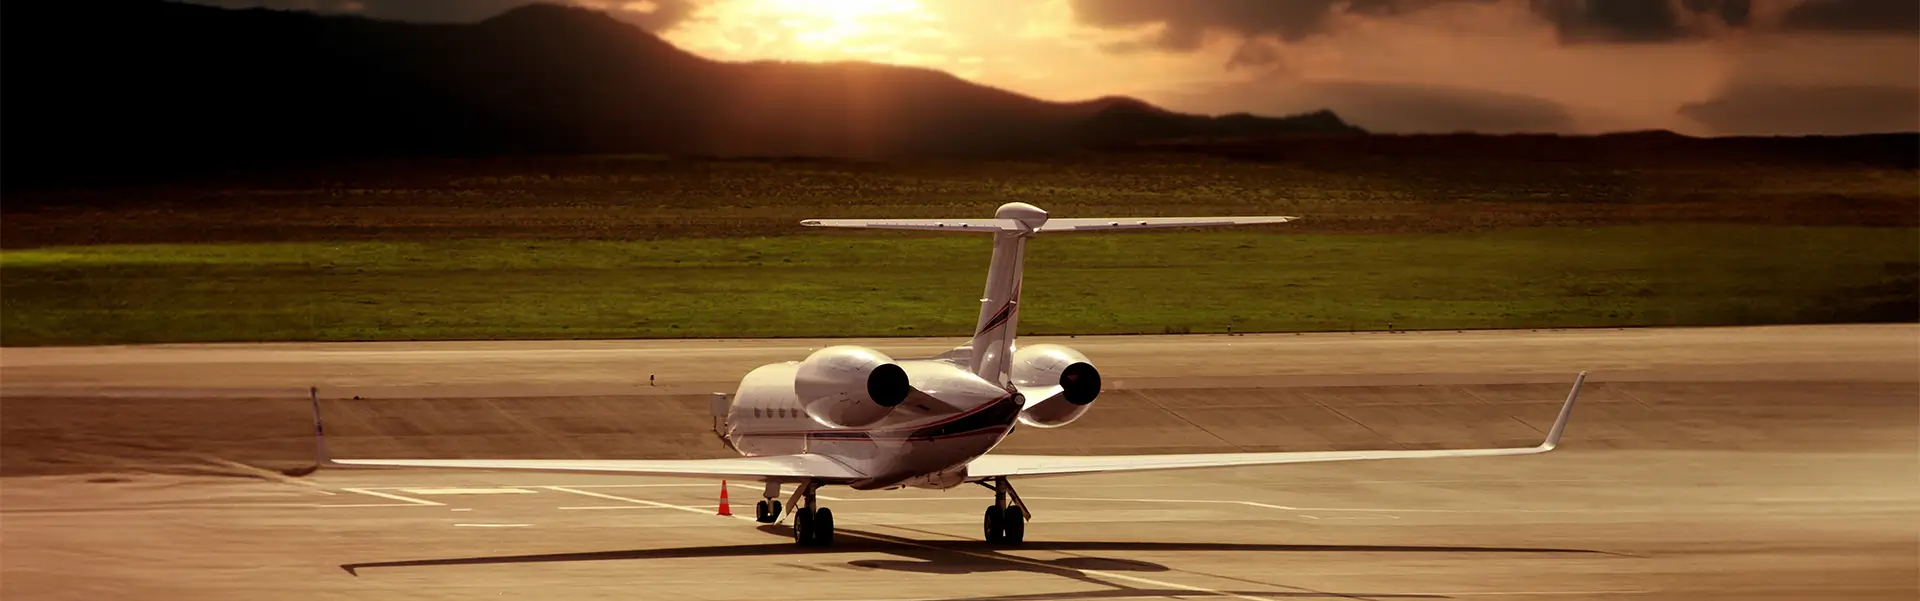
1000 303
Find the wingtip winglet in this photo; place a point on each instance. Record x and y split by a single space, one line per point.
320 456
1566 411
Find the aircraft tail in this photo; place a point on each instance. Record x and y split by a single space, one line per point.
1012 224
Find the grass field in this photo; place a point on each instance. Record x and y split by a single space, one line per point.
881 284
643 247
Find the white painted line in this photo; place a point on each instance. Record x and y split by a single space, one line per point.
589 507
463 509
627 500
676 485
1529 593
466 491
395 497
345 505
1362 517
494 525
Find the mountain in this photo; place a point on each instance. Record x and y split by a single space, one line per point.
133 87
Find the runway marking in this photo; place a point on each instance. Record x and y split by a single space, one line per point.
590 507
494 525
1533 593
628 500
677 485
463 509
466 491
373 493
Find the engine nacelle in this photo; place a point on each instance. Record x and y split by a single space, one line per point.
1068 380
849 386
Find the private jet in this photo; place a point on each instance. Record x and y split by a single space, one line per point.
853 416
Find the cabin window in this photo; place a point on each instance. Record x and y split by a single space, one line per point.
756 412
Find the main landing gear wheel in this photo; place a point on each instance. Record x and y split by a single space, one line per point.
1013 525
813 528
1005 525
822 527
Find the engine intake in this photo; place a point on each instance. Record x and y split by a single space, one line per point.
1061 377
850 386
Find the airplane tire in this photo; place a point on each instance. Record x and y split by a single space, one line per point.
761 513
774 513
803 526
1014 525
823 527
993 526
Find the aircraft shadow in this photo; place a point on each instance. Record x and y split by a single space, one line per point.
971 557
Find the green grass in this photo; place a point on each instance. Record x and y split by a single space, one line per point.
890 284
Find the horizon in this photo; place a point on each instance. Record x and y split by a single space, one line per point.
1781 67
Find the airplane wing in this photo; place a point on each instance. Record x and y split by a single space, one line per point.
1134 223
818 468
1052 225
805 466
1027 466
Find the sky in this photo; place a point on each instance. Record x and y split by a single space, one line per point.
1702 67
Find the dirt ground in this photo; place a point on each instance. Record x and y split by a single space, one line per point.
1740 463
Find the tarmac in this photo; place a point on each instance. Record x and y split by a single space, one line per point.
1711 463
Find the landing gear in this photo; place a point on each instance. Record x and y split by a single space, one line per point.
1005 523
812 524
766 511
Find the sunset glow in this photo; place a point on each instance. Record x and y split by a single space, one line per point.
888 31
1564 66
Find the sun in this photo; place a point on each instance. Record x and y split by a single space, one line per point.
828 23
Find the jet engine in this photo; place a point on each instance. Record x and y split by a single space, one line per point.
1061 377
849 386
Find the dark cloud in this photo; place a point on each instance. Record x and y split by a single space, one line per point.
1256 53
1184 23
1793 110
1892 16
1579 21
665 13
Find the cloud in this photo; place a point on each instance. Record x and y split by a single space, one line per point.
651 15
1889 16
1796 110
1633 21
1183 24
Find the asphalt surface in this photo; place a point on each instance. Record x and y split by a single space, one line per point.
1739 463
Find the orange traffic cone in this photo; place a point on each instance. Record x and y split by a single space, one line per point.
724 508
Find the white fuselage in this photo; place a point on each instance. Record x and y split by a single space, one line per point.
951 417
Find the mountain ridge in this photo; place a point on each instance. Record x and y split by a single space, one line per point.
135 86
